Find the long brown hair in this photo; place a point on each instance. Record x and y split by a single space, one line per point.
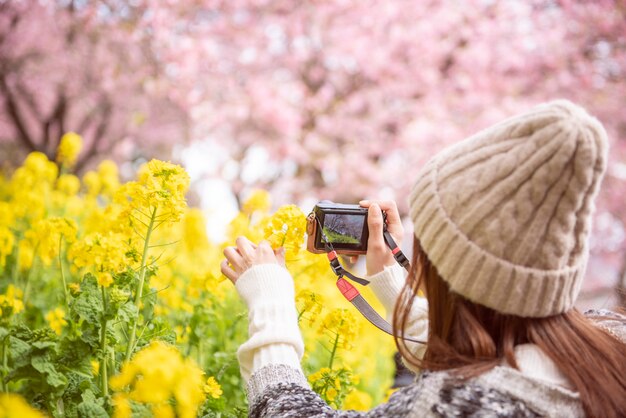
470 339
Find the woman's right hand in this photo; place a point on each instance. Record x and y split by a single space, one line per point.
378 254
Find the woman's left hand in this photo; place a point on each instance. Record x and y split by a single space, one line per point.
246 255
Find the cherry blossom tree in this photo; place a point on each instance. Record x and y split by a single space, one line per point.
349 99
84 67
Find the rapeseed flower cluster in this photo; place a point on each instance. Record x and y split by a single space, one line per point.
158 194
69 148
310 305
48 234
212 388
258 201
157 375
104 181
108 275
56 320
14 406
341 325
101 253
7 240
286 228
333 385
11 301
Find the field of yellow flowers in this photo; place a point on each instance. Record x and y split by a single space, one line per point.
113 304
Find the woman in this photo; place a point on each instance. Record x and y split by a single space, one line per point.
502 225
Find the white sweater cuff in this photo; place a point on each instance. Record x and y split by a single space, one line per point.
266 284
387 286
274 336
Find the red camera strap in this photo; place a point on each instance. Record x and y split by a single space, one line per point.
354 296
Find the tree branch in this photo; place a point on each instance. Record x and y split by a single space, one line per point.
14 112
101 130
57 118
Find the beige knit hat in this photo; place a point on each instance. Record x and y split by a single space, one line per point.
505 215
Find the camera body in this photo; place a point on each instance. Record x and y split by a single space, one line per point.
343 225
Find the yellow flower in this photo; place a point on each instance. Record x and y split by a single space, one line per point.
388 394
26 251
6 214
31 185
259 201
92 182
74 288
95 367
68 184
331 394
159 191
100 252
342 323
310 304
14 406
194 231
109 177
11 301
358 401
7 240
47 233
158 373
56 320
240 226
163 410
104 278
121 406
37 167
212 388
69 148
286 228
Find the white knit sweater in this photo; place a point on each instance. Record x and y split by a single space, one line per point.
275 339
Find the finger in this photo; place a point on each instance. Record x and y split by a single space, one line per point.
388 206
394 222
234 258
280 255
265 253
245 247
376 240
228 272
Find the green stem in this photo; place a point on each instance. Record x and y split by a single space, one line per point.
104 379
65 292
30 270
332 353
200 353
142 276
3 386
16 265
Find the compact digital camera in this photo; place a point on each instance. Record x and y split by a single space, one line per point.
341 225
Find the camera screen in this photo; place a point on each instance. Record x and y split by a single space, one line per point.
343 228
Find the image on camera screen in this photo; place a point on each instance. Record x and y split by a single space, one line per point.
343 229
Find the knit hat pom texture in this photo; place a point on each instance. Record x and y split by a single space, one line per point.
505 215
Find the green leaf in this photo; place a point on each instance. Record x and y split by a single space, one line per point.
44 366
128 311
88 305
91 409
149 301
91 406
18 351
44 344
3 332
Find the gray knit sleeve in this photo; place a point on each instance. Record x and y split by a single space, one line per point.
281 391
